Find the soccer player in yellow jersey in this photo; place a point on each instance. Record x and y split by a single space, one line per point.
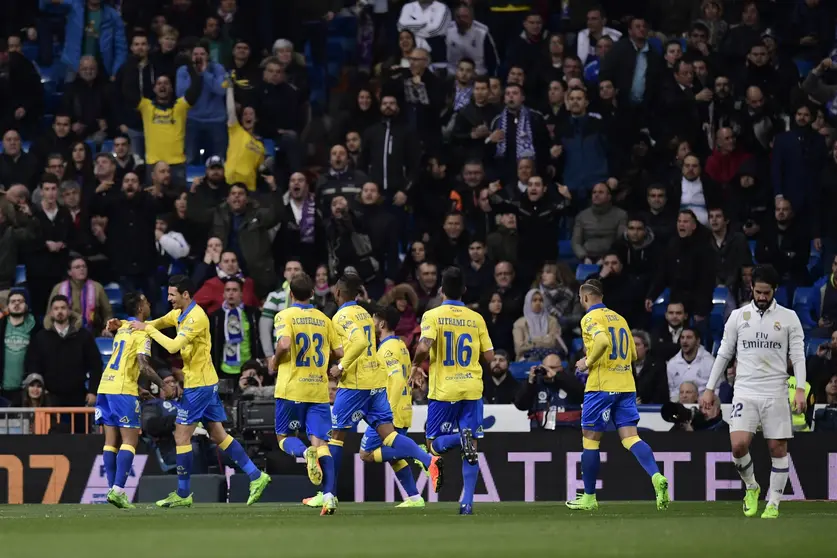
362 392
118 403
610 395
454 337
245 152
200 401
305 339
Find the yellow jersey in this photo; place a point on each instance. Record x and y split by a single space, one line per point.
303 370
194 341
165 131
613 370
394 358
459 337
245 154
356 330
122 371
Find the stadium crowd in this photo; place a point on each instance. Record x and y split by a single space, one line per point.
663 146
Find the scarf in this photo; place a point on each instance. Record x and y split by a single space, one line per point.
306 221
523 139
87 299
538 321
223 276
462 96
233 334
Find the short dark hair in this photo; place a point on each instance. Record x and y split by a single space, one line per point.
672 42
138 33
203 43
63 114
690 213
183 284
483 79
765 273
120 135
468 60
514 84
693 330
638 217
350 284
302 286
718 208
131 301
49 178
239 185
390 315
59 298
235 280
73 257
593 287
54 155
453 283
679 64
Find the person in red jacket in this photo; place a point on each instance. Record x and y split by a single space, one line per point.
722 166
211 294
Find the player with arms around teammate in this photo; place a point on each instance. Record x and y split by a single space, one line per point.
454 337
764 335
200 401
118 403
610 394
362 392
305 339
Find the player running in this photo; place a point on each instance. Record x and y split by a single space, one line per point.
304 340
454 337
610 395
361 393
118 403
764 335
200 401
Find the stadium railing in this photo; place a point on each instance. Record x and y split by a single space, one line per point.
78 419
16 420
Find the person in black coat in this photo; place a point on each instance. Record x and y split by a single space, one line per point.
638 250
687 268
527 50
785 243
622 293
58 139
649 372
17 166
499 386
301 235
21 94
280 117
88 101
681 114
666 337
451 245
382 227
471 123
64 356
620 64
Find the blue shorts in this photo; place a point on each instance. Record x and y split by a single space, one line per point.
444 417
200 404
121 411
353 405
600 407
293 416
371 441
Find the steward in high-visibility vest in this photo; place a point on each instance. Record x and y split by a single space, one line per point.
801 421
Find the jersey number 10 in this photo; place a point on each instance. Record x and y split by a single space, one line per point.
622 346
463 349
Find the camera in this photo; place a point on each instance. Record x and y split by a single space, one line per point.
540 371
682 416
252 381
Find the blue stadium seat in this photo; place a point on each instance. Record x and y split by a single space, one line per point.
720 297
520 370
577 345
815 262
20 275
105 345
781 295
752 244
565 250
803 306
194 171
269 147
658 311
583 271
114 293
107 146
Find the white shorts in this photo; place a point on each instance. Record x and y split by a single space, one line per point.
773 414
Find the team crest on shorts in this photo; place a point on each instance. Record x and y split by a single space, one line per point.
98 413
777 326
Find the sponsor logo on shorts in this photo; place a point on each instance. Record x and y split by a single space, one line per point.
447 427
98 414
357 416
294 425
124 420
606 415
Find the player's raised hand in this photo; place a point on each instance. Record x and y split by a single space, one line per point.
137 326
113 324
707 400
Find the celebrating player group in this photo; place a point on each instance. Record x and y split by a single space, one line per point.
358 348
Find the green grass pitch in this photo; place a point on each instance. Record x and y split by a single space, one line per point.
508 530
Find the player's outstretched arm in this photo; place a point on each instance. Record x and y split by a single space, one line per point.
169 320
173 346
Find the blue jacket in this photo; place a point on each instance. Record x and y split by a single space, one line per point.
212 103
585 152
112 43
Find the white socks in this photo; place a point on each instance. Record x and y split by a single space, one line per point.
778 479
118 489
328 496
744 465
415 498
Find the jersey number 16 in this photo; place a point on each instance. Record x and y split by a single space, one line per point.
462 344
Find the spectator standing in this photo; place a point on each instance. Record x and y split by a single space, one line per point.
588 38
67 358
758 122
59 139
207 120
89 305
235 331
279 104
245 152
21 91
46 263
471 122
340 180
536 334
88 102
245 73
666 338
731 249
163 58
314 18
164 118
504 284
349 245
426 286
17 166
682 109
692 364
557 284
171 248
725 162
622 292
649 372
424 98
696 192
244 226
275 302
638 250
127 119
295 69
499 387
597 227
468 38
212 279
798 157
220 45
660 216
498 323
93 29
391 153
18 230
301 234
526 50
382 228
503 243
634 68
126 159
517 133
785 243
17 330
688 269
428 20
451 248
